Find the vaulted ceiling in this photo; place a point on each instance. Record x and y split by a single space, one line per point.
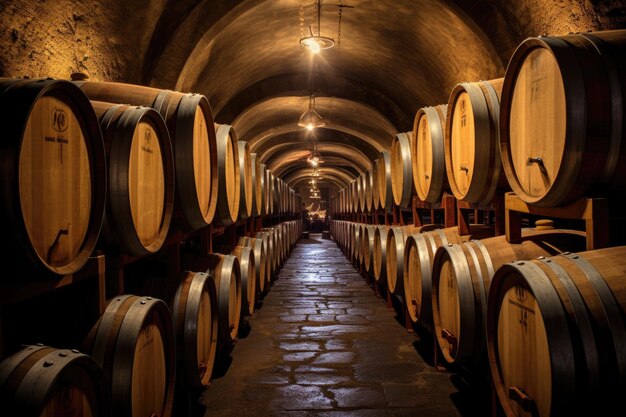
391 58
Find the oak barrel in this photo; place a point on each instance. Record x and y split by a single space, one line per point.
141 177
472 141
224 269
396 241
133 342
258 183
380 254
269 255
246 190
562 117
369 200
247 267
195 318
260 259
427 151
401 170
556 332
229 175
462 274
385 192
367 247
190 122
41 381
419 254
53 178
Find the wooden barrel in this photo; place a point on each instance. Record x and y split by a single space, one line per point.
247 267
355 243
472 141
195 318
141 177
367 190
419 254
51 148
380 254
258 184
275 249
133 342
260 259
367 247
556 334
190 122
361 183
276 193
462 274
40 381
562 117
224 269
229 175
246 190
401 170
385 192
374 186
269 255
265 190
427 149
396 241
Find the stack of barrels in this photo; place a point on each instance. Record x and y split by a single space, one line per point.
546 315
120 169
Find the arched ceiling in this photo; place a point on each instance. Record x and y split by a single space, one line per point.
393 58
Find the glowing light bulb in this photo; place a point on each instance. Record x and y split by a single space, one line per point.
310 126
314 47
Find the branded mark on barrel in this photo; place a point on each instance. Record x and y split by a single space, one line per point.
148 141
59 120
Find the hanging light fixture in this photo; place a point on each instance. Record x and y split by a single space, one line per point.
314 158
315 43
311 119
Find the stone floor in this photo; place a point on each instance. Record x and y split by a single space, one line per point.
323 344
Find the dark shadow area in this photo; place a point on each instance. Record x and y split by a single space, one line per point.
474 396
244 329
313 239
223 360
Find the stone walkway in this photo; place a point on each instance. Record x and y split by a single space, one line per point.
323 344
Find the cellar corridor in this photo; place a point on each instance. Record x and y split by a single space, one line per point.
323 344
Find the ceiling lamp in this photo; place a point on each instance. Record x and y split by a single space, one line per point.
315 43
311 118
314 158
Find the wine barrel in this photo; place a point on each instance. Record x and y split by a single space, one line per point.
41 381
385 192
462 274
258 183
562 117
265 189
194 314
141 177
419 254
396 241
361 192
367 247
380 254
367 176
260 259
247 267
374 186
224 269
229 175
246 191
472 141
556 334
53 177
427 149
190 122
133 342
401 170
269 255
